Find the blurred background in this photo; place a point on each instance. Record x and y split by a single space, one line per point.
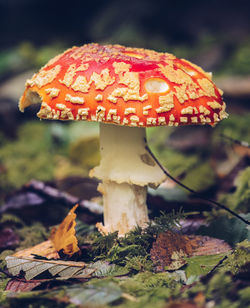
213 34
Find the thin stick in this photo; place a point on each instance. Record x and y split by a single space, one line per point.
242 143
193 191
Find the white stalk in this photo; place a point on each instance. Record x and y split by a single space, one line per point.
126 169
124 207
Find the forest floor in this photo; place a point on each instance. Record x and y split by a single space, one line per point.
193 254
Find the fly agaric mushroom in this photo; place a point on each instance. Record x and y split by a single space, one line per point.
126 90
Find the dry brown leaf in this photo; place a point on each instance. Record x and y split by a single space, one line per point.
210 246
33 267
64 238
170 249
45 249
16 285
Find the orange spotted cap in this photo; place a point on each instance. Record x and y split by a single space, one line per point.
125 86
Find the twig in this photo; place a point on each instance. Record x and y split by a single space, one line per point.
193 191
216 266
242 143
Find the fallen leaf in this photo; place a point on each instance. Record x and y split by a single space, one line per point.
201 265
37 197
34 267
45 249
210 246
170 249
170 245
104 269
64 239
231 230
100 293
16 285
20 200
191 225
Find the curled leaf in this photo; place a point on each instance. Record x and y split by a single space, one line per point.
34 267
171 249
64 239
98 294
45 249
16 285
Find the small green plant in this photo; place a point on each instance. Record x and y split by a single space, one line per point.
135 246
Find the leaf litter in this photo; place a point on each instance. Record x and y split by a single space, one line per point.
170 250
128 265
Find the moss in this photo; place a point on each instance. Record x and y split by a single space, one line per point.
239 62
137 243
119 254
85 152
218 286
200 178
47 52
64 168
3 299
115 250
41 148
193 167
11 219
3 255
133 287
142 283
83 155
175 161
151 280
222 289
3 283
236 127
244 295
32 235
138 264
228 303
102 244
242 193
238 259
150 288
194 170
240 199
27 157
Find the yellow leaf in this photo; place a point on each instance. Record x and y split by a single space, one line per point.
64 239
45 249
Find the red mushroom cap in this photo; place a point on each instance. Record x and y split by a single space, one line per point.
126 86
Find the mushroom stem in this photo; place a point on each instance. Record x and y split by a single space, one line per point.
126 169
124 207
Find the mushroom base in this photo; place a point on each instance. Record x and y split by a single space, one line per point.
124 207
126 170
